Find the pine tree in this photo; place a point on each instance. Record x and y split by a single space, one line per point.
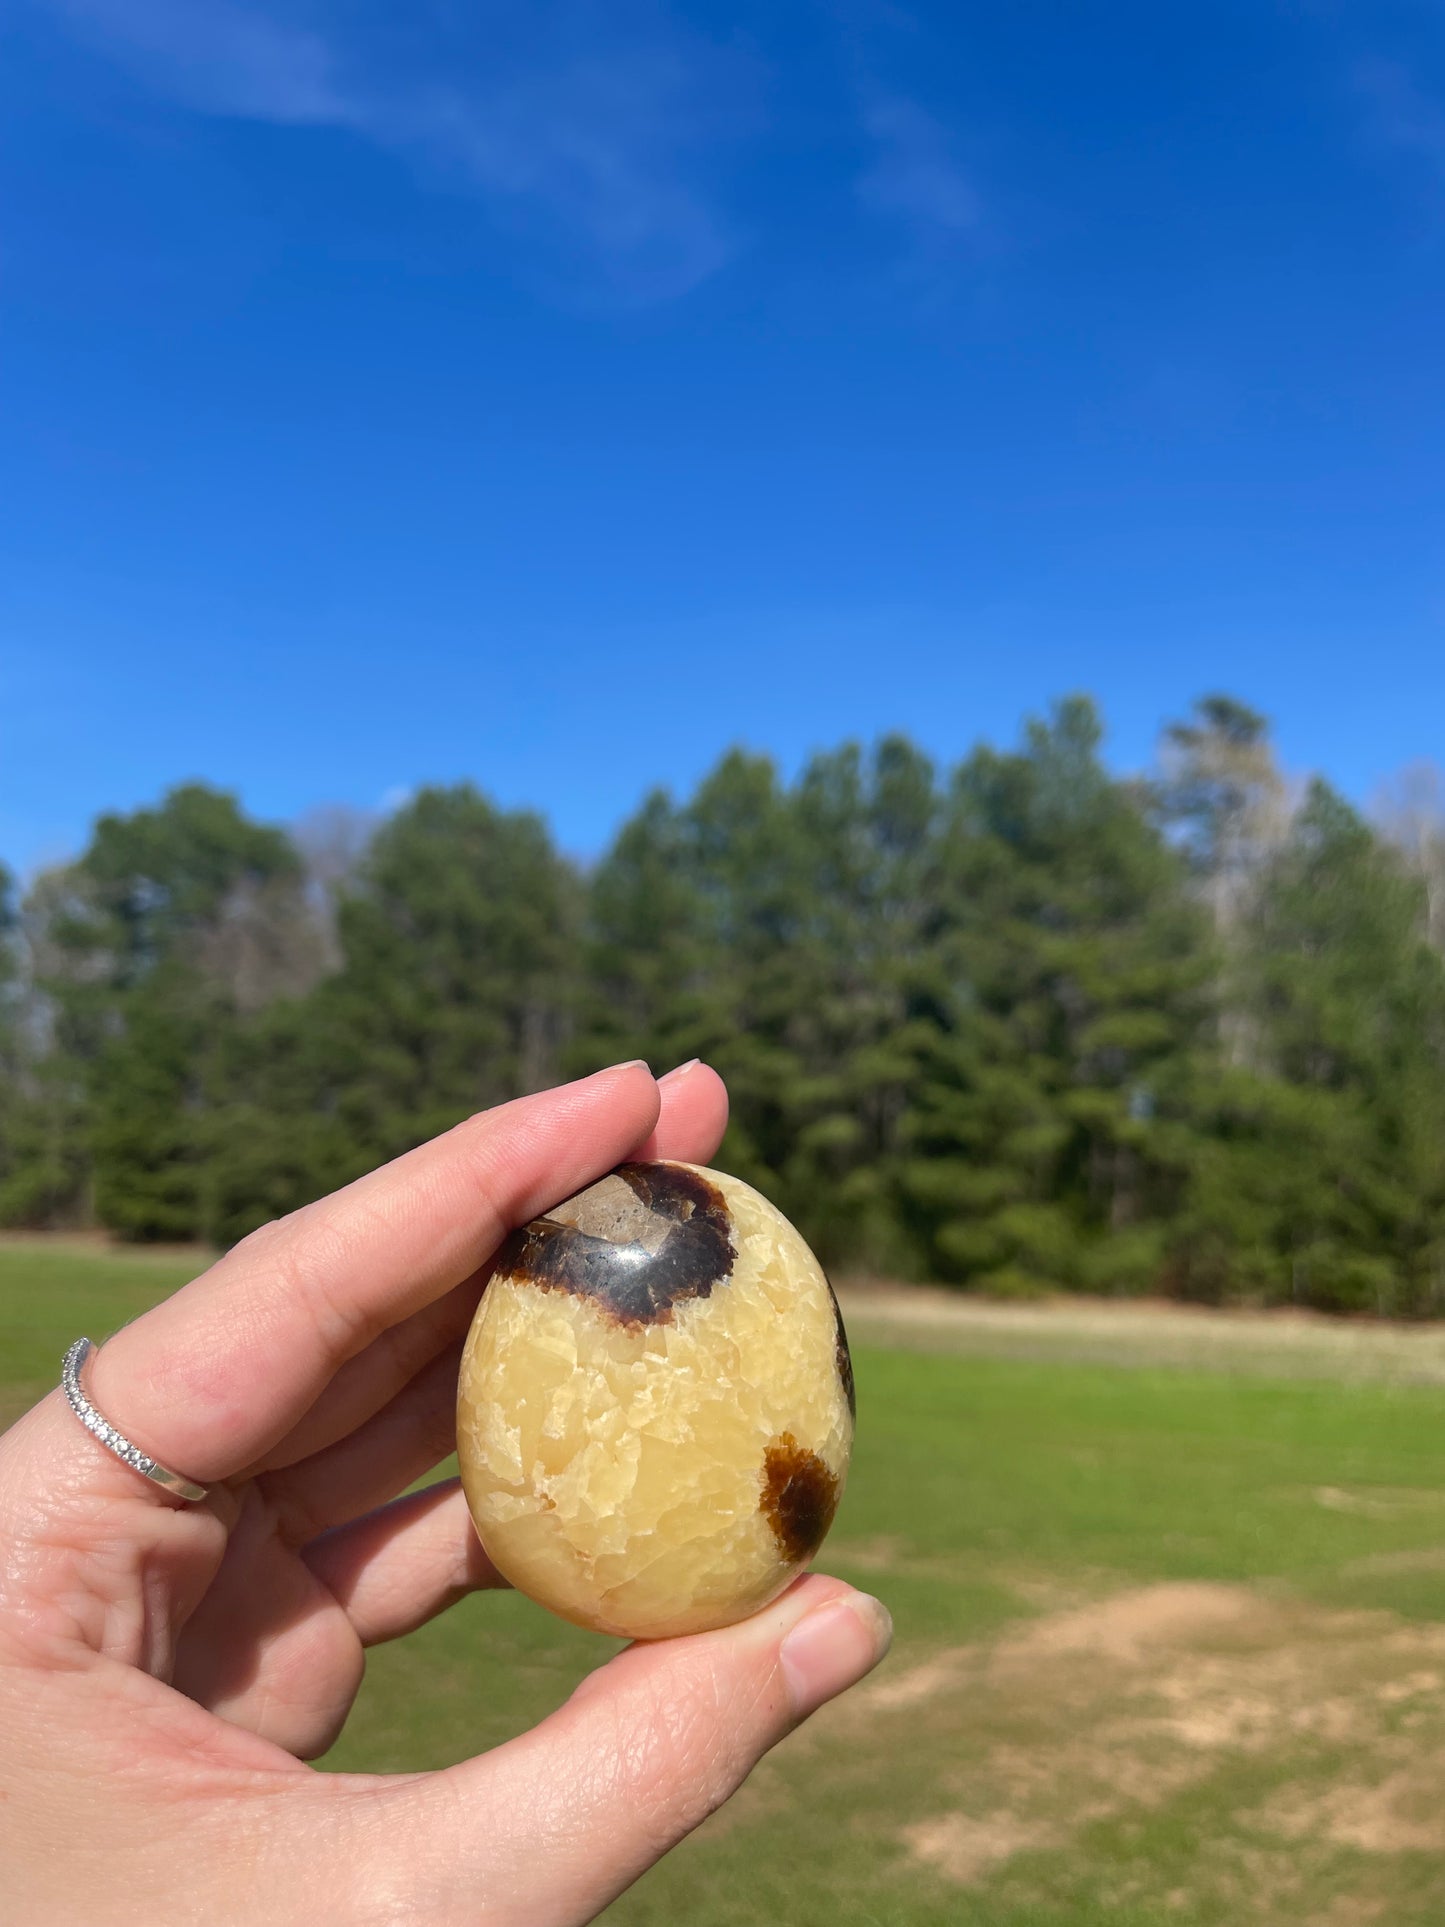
143 1016
648 969
773 931
1320 1171
457 985
1070 971
863 1018
1038 1029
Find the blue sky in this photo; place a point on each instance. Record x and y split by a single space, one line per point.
553 394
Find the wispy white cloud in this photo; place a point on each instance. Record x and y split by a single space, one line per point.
592 131
914 179
593 136
598 144
214 56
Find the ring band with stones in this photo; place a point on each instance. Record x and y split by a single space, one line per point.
100 1427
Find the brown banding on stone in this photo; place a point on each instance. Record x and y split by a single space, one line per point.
800 1496
639 1242
842 1354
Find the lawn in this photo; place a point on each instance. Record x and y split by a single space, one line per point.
1171 1641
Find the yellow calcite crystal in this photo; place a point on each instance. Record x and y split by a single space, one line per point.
655 1410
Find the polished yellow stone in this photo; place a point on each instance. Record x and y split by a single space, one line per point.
655 1410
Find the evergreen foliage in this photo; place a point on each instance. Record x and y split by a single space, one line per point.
1022 1026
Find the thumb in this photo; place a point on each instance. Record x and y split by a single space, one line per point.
547 1830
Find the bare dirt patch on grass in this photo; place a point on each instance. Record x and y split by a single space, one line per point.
1130 1625
964 1848
1401 1813
1109 1710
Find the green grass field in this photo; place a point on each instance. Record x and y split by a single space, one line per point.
1171 1642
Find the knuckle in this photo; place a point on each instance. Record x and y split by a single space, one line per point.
680 1753
294 1264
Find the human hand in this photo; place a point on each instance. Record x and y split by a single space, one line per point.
165 1669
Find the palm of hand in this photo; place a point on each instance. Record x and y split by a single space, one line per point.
164 1672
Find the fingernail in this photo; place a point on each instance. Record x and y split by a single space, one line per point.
833 1648
674 1076
632 1064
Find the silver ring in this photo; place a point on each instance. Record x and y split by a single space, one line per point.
76 1360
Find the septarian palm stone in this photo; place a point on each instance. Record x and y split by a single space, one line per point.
655 1411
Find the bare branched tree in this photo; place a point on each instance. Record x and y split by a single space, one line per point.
1223 789
1228 801
1410 811
333 840
268 940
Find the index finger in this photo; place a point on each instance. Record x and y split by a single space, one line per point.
209 1380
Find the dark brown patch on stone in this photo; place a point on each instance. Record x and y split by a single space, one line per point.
800 1496
841 1352
641 1241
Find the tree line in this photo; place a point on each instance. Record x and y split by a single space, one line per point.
1021 1025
